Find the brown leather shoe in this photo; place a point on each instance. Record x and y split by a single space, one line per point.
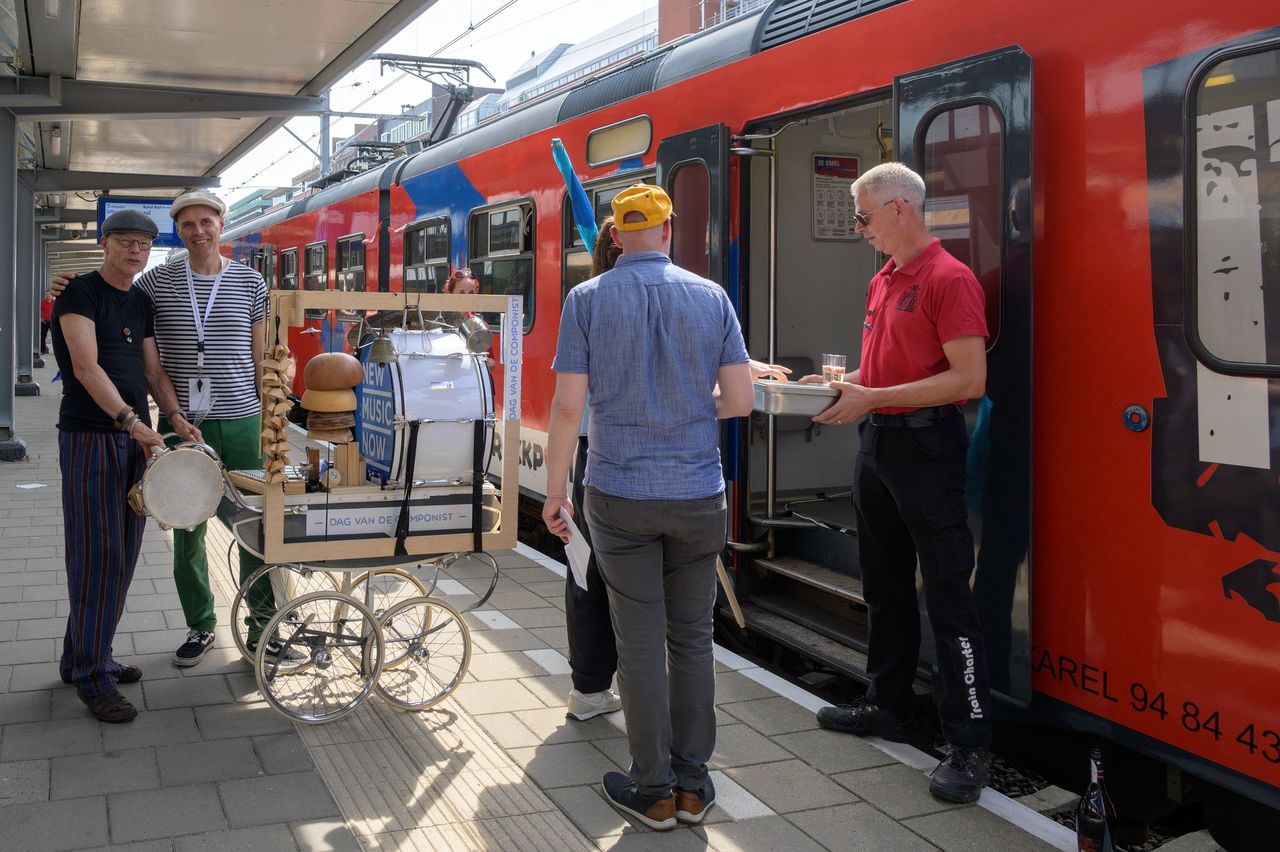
657 812
690 806
109 707
130 674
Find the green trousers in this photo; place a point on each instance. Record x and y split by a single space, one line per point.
237 443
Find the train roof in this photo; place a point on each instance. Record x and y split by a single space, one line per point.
777 23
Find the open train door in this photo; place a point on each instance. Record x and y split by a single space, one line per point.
966 127
693 169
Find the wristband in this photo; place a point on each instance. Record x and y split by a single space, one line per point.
129 422
122 417
177 412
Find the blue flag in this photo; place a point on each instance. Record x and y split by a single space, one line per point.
583 215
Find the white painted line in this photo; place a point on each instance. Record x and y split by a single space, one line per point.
725 657
551 660
557 568
448 587
1057 836
785 688
495 620
735 800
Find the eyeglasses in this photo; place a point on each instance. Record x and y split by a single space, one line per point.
140 245
864 219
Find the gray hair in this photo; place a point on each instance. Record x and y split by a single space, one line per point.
893 178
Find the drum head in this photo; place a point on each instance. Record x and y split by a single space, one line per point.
183 487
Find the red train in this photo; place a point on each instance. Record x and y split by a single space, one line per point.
1111 173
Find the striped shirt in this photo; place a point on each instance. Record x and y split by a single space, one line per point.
228 335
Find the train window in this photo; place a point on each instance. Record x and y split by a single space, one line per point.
501 241
289 269
1234 279
621 141
426 256
350 263
964 204
269 266
691 230
317 270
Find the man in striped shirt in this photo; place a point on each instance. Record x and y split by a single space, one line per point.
209 314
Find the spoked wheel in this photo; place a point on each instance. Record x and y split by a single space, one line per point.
340 645
470 565
433 646
266 590
390 587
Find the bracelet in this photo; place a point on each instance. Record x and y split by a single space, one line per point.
123 416
129 422
177 412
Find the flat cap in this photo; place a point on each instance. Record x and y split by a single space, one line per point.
129 221
191 199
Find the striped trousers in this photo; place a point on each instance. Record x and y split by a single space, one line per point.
103 538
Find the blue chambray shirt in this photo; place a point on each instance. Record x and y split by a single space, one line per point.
651 338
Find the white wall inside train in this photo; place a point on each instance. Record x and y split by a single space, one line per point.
822 286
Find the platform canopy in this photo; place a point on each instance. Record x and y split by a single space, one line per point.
152 97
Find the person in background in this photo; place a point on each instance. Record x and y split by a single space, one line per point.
104 342
923 354
46 319
661 352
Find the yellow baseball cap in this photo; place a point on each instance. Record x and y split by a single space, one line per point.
646 199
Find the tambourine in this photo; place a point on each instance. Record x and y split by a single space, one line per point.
181 487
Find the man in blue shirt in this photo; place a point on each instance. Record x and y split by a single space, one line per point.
661 352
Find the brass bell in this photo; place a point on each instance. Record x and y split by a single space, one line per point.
382 351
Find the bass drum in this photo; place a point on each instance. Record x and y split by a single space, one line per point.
433 378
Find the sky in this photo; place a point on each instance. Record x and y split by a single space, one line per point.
500 34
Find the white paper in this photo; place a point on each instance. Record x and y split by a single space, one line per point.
30 485
577 550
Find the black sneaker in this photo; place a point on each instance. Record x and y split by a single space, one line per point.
692 805
193 650
961 775
279 654
865 719
657 812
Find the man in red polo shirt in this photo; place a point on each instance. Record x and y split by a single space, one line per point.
923 354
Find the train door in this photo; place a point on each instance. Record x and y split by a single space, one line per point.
966 127
691 167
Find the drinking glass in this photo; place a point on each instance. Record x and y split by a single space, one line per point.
832 368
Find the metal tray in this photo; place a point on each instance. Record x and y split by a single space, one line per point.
792 398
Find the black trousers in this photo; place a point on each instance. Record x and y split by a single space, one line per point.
909 500
593 653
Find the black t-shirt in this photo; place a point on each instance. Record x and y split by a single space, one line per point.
122 320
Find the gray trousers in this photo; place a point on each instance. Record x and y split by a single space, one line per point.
657 558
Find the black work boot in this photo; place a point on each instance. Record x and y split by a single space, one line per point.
961 775
866 719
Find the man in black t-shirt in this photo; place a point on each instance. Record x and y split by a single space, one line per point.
104 342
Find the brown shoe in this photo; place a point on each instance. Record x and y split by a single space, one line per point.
691 807
130 674
109 707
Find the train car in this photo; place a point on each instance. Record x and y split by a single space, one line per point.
1112 176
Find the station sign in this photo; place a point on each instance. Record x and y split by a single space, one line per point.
156 209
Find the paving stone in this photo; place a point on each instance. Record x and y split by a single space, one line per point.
282 753
507 730
900 791
166 812
26 650
244 686
830 752
733 687
589 811
23 781
264 839
25 707
644 840
554 637
790 785
53 592
187 692
551 725
29 676
66 704
862 827
973 829
325 835
206 762
218 661
164 845
772 716
240 720
140 621
539 616
155 666
26 741
90 774
502 667
487 696
764 833
551 690
616 749
277 798
741 745
15 611
563 765
153 728
517 639
142 602
55 826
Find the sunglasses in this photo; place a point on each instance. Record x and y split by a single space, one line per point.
864 219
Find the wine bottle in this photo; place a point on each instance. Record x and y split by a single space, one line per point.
1095 815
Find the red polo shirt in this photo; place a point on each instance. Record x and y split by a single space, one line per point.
911 311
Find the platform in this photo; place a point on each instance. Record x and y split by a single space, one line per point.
208 765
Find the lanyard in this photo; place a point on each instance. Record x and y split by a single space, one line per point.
208 309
